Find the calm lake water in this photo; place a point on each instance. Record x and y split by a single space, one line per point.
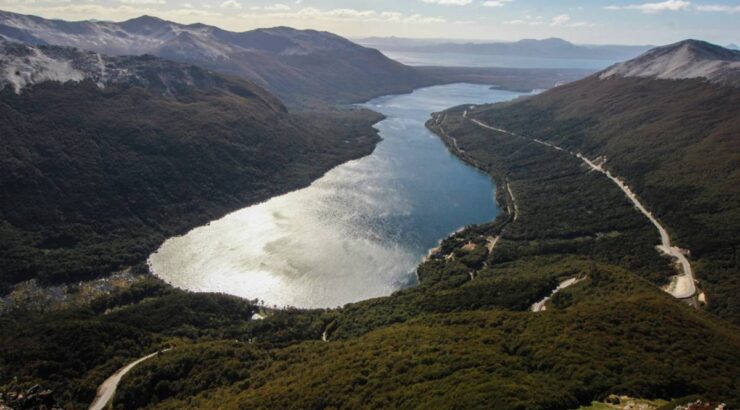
483 60
356 233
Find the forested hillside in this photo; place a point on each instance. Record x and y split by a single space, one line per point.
674 141
95 178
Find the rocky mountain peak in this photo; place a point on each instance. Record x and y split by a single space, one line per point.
683 60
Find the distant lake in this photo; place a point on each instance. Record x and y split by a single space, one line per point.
481 60
356 233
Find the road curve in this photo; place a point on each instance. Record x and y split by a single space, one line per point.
108 388
683 285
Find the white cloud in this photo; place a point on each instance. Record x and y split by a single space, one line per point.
560 20
231 4
143 1
515 22
419 19
526 21
668 5
273 7
495 3
721 8
312 13
564 20
75 11
581 24
449 2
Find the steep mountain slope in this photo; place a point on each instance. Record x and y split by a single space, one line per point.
104 157
667 122
301 67
684 60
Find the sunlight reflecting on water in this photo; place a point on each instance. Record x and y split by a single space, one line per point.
356 233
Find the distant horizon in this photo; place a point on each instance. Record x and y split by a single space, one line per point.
598 22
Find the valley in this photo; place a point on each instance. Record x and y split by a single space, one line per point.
192 217
381 213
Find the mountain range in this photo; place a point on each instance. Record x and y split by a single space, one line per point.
304 68
300 67
545 48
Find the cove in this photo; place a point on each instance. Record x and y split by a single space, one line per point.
356 233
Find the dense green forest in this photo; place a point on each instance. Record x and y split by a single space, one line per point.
677 147
93 180
449 342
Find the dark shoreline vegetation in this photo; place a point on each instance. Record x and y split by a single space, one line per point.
450 341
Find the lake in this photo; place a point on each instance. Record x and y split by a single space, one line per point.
356 233
445 59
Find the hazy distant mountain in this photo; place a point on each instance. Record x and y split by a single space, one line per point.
102 157
733 46
297 65
547 48
683 60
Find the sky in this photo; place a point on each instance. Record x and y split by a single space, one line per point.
589 22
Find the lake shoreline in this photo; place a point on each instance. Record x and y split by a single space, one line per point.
415 106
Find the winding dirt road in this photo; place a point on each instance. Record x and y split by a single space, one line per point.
540 306
513 201
108 388
683 285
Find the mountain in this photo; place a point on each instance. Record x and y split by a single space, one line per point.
667 123
733 46
104 157
304 68
299 66
23 66
546 48
111 170
684 60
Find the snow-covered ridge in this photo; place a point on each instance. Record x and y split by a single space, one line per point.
151 35
683 60
21 69
23 65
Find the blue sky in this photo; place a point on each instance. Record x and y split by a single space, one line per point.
596 21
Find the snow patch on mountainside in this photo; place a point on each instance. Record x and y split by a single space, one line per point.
684 60
19 71
151 35
22 65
